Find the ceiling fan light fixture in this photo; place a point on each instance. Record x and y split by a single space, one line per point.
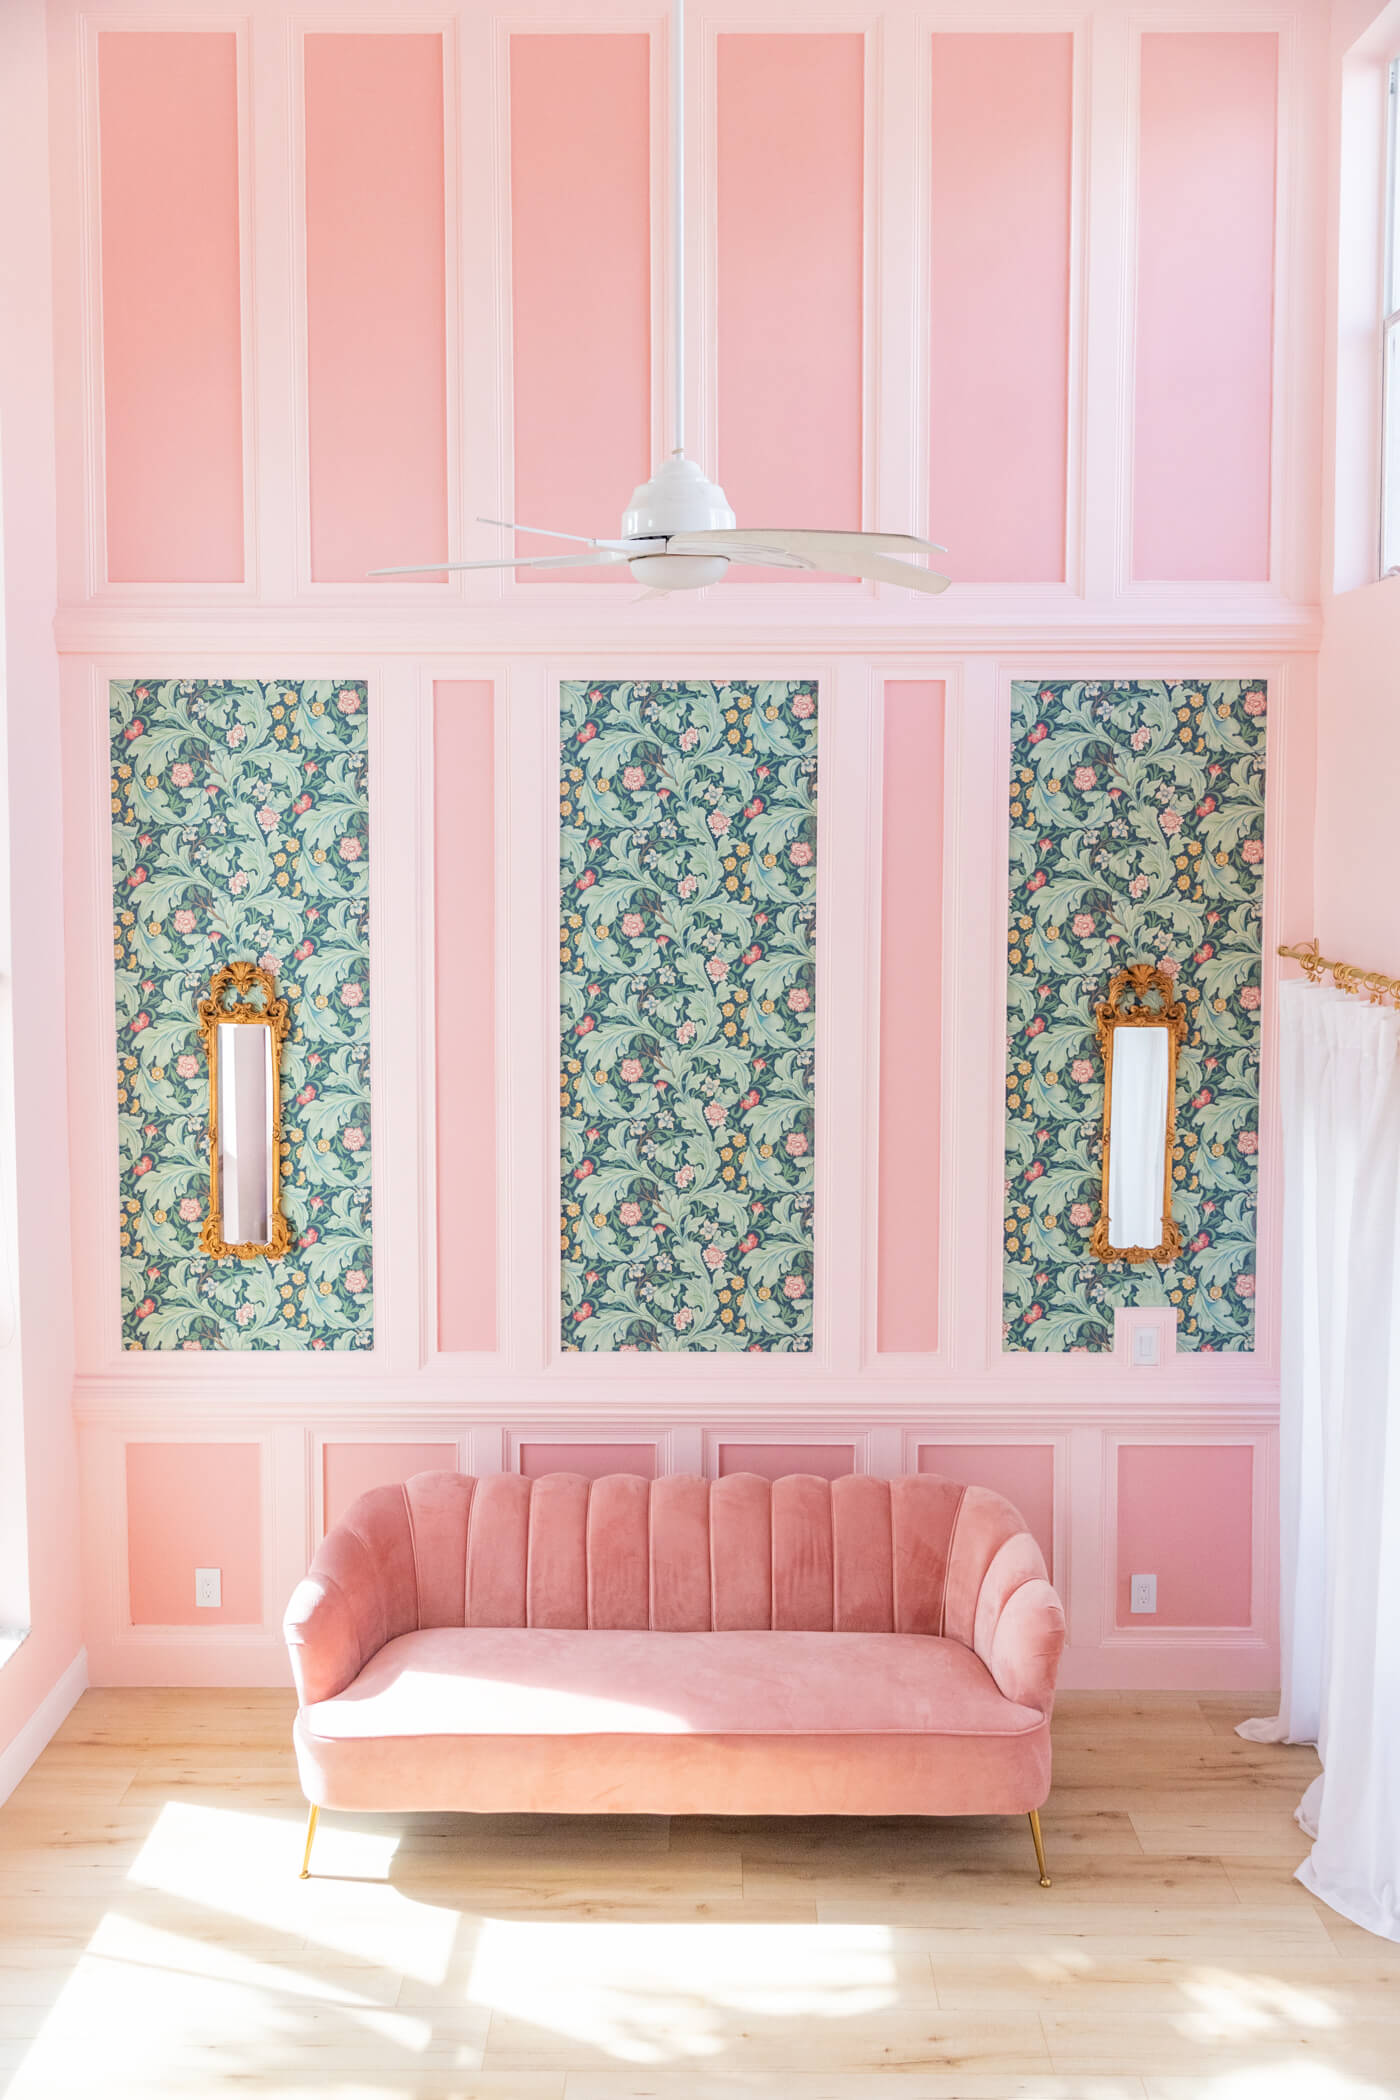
678 572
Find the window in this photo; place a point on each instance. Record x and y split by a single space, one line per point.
1390 340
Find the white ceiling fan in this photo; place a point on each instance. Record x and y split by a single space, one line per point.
678 532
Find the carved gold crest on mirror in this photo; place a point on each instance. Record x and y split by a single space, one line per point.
1140 1025
243 1043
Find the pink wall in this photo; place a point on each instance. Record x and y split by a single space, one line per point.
1024 1473
193 1506
482 216
464 795
348 1470
911 1014
376 364
1205 306
581 285
171 333
39 1560
999 267
1184 1515
790 241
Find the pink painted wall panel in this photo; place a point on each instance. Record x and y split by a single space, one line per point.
773 1461
464 855
171 330
376 303
911 912
193 1506
999 328
790 234
1208 139
1024 1473
581 286
1185 1516
348 1470
594 1461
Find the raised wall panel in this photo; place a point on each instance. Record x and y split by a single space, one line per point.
193 1506
171 329
1024 1473
790 156
465 963
1185 1516
376 303
1205 246
594 1461
1002 116
350 1470
580 183
911 1014
774 1461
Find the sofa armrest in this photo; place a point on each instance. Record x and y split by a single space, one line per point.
322 1638
360 1591
1000 1602
1024 1648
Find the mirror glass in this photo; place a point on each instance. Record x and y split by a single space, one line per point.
1140 1026
1137 1136
245 1132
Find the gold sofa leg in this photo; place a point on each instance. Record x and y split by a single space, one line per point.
1035 1833
311 1835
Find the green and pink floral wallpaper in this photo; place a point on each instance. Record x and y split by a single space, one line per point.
687 961
1137 835
240 828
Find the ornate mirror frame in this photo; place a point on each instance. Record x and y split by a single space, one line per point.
272 1014
1129 1004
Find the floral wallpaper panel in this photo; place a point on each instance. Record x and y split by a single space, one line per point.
240 828
687 965
1137 835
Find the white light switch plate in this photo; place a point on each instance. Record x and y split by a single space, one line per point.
1144 1336
1147 1346
208 1587
1144 1593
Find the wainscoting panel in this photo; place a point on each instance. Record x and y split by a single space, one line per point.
172 329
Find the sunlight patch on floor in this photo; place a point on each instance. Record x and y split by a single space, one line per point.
118 2015
647 1994
1228 2007
244 1866
1289 2080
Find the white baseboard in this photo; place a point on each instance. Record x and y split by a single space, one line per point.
47 1718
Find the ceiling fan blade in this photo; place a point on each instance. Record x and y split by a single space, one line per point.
743 550
543 532
864 554
825 550
602 556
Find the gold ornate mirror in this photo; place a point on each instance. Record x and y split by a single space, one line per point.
1140 1025
243 1043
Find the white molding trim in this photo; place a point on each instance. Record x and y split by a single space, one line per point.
43 1724
1097 1395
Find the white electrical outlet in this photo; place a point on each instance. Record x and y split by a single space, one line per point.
208 1587
1144 1593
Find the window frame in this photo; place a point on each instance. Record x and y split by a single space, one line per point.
1388 549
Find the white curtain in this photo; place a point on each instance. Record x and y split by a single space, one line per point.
1340 1442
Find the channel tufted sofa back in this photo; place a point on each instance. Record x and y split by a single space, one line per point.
918 1555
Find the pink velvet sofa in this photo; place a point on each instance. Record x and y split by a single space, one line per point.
677 1647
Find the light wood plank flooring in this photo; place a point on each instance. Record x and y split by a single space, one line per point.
154 1938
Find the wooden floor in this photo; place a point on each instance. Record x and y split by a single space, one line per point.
154 1938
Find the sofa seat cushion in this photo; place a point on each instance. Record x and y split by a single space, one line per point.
677 1723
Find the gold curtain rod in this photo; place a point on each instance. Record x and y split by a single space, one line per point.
1345 976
